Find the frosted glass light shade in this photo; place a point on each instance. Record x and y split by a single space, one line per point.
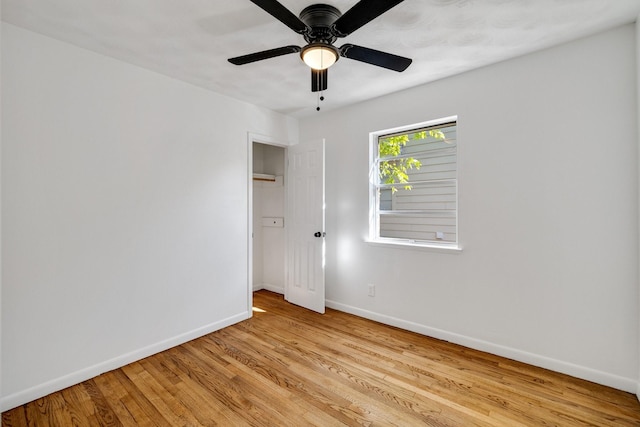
319 57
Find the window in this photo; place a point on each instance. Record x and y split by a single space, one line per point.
414 187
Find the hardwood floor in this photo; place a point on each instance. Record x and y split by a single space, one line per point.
290 367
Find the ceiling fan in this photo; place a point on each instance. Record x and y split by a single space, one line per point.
321 25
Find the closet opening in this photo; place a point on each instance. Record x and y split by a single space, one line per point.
267 209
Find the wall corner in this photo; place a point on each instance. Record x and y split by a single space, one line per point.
637 50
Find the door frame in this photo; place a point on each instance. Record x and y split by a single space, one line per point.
266 140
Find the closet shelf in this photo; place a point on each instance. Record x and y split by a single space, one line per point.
264 177
269 180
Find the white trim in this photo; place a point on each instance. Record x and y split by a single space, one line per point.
637 28
40 390
407 244
401 129
630 385
269 287
250 139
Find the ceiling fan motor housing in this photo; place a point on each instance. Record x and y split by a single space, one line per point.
320 18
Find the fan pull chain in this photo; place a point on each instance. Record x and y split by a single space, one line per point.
320 98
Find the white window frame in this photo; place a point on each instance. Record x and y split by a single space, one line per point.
374 179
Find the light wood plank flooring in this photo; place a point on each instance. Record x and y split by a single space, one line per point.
290 367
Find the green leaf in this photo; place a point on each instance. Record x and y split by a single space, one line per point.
394 171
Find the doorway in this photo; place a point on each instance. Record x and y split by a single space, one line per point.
286 221
268 217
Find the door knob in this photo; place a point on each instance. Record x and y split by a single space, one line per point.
318 234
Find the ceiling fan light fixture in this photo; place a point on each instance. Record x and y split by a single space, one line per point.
319 56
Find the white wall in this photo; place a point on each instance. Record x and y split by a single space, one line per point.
124 205
268 201
257 262
548 197
273 206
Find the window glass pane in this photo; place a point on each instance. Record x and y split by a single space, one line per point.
416 191
422 197
385 197
419 227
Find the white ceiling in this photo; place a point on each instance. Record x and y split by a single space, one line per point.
191 40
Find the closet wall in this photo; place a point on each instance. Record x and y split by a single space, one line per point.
268 218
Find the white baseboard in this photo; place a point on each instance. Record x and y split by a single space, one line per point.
621 383
269 287
33 393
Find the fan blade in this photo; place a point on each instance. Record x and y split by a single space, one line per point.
282 14
319 80
363 12
375 57
265 54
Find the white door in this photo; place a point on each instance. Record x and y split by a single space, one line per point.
305 229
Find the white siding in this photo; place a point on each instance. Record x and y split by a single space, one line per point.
430 205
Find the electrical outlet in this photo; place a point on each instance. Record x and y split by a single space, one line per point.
372 290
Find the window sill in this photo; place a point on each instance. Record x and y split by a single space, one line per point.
415 246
